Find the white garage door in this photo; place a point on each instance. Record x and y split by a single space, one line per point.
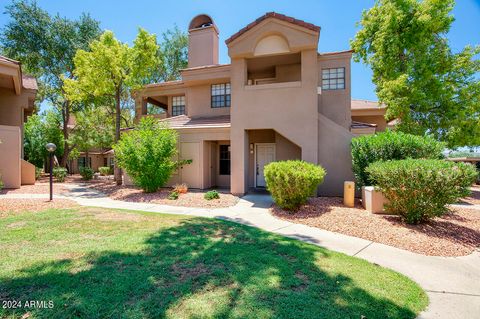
191 172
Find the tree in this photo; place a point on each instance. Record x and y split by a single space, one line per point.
112 68
174 55
46 47
147 154
40 130
429 88
93 129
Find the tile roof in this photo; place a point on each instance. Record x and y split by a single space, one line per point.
365 104
8 60
275 15
183 121
29 82
335 52
356 124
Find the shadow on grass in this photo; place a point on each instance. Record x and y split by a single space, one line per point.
204 268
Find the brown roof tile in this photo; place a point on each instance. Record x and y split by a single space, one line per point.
365 104
183 121
274 15
29 82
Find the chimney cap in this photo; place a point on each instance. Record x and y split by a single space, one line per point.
201 21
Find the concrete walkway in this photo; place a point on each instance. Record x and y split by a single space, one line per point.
452 283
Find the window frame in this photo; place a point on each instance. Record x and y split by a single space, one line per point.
175 111
226 98
337 76
224 159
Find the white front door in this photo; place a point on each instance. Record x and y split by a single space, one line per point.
264 154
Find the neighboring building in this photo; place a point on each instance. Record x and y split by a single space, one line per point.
17 96
278 99
96 158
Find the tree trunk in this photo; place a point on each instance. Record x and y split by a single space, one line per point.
66 119
87 162
117 172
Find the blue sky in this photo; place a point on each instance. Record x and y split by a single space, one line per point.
336 18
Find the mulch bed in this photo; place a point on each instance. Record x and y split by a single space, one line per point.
193 198
17 205
455 234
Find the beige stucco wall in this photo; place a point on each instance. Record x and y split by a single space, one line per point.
199 102
27 173
336 104
373 119
10 154
203 46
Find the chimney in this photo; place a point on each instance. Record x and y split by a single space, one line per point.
202 41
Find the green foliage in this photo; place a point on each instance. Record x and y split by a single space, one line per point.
147 154
60 173
40 130
46 46
105 170
463 154
419 189
1 182
173 195
292 182
211 195
423 83
389 146
86 173
38 172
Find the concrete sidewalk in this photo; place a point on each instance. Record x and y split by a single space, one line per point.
452 283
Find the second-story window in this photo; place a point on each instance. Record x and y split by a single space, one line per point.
221 95
333 79
178 105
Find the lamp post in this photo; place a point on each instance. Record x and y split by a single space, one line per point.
51 148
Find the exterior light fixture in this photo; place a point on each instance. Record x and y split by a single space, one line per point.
51 148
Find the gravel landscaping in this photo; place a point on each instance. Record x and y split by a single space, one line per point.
193 198
16 205
474 198
42 186
455 234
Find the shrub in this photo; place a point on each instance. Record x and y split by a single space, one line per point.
147 154
419 189
1 182
211 195
105 170
292 182
390 145
38 172
86 172
60 173
173 195
181 188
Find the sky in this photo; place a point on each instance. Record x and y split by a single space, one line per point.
337 20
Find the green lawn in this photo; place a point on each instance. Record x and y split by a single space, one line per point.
98 263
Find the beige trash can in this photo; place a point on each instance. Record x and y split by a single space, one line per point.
349 194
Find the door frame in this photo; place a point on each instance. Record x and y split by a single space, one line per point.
255 159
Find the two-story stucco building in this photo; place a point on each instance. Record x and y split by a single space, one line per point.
278 99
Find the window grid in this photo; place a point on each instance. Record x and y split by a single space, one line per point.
333 79
224 157
221 95
178 105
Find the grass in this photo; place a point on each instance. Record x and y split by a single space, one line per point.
99 263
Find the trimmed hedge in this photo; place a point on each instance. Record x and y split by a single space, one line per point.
292 182
86 172
104 170
60 173
390 145
420 189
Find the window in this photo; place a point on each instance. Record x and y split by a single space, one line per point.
224 160
81 162
333 79
221 95
178 105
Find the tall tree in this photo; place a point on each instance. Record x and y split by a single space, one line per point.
46 47
112 68
424 84
174 54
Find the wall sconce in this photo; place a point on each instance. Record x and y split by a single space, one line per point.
251 148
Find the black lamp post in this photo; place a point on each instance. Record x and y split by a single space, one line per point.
51 148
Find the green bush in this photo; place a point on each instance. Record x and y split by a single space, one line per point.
173 195
38 172
211 195
420 189
60 173
147 154
390 145
105 170
1 182
86 172
292 182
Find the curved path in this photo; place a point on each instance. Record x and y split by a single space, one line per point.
452 283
